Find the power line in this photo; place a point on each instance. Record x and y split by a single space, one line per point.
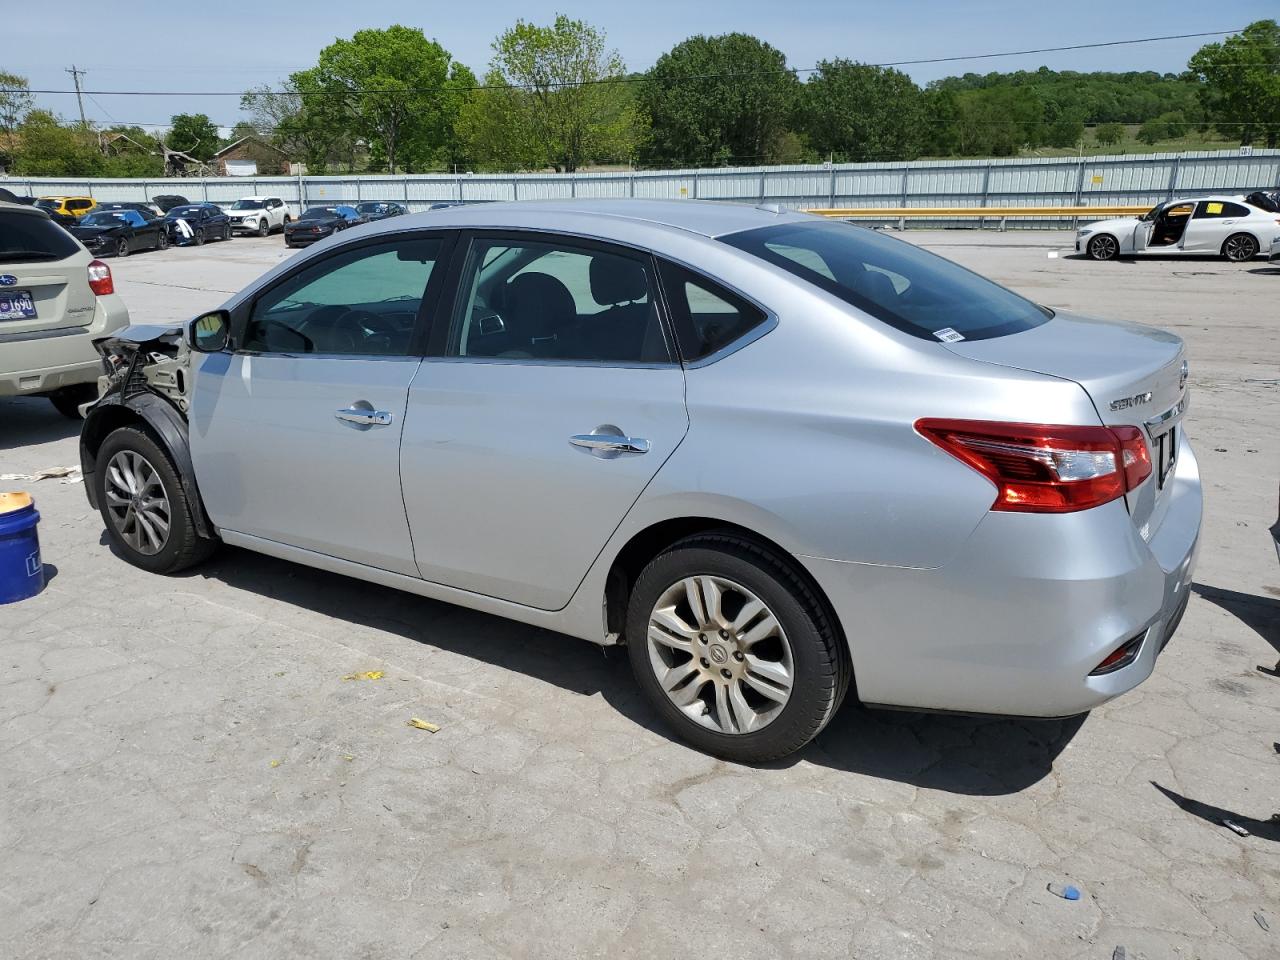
643 78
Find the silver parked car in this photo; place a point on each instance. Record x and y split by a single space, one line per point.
1230 227
779 458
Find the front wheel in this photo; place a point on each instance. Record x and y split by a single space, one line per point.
198 237
733 649
1240 248
144 506
1103 247
263 227
122 247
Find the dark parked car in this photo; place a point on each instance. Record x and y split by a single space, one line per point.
380 209
204 221
121 232
167 201
320 222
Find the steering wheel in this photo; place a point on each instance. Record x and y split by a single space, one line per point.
355 329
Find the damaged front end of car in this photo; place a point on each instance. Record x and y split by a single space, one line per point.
145 383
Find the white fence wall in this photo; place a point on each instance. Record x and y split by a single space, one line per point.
1094 181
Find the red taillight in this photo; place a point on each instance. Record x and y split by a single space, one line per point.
1041 468
100 281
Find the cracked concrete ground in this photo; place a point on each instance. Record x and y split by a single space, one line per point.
185 773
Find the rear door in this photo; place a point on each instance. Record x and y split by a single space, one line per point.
1211 223
296 432
548 404
43 276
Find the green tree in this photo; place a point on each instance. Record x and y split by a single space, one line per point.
718 100
130 151
857 112
392 85
15 101
1241 79
303 120
550 100
50 148
1109 134
193 134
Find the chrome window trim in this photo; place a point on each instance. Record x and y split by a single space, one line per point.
535 362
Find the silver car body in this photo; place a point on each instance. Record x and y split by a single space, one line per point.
54 349
1206 229
801 433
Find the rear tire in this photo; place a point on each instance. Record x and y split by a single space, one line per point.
162 241
68 399
1103 247
727 710
1240 247
226 232
130 460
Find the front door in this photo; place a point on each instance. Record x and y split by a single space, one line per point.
296 432
552 402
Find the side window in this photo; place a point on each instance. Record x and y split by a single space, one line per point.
360 302
1218 209
555 300
706 316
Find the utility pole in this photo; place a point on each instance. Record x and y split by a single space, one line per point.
75 76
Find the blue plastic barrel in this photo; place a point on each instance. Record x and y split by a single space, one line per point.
21 572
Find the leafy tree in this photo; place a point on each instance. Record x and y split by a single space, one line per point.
1109 134
549 100
392 84
1242 82
193 134
13 105
302 120
718 100
51 148
856 112
241 130
130 151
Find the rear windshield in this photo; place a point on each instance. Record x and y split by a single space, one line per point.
896 282
28 239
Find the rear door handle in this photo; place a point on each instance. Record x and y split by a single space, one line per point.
365 417
610 444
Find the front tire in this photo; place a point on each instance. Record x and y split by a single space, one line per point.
1103 247
144 506
1240 247
733 649
198 237
263 227
122 247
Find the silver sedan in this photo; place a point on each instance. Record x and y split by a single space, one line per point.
781 459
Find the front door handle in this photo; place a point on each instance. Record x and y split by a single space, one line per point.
610 443
365 417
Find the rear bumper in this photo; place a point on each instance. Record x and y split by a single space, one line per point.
1033 603
63 358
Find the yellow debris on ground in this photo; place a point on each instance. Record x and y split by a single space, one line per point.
422 725
367 675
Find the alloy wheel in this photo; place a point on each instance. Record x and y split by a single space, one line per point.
1103 247
1240 248
137 503
720 654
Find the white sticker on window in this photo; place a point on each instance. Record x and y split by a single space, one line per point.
947 335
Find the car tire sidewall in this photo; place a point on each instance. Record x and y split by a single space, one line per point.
162 241
1092 248
1249 238
263 227
183 546
817 686
198 237
122 248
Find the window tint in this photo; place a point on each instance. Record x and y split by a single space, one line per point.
31 238
1218 209
706 317
363 301
892 280
535 300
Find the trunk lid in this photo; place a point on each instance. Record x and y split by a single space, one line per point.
1134 375
59 289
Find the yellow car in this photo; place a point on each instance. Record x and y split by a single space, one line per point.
67 206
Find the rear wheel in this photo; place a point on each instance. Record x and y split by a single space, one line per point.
122 247
226 231
1240 247
162 241
143 505
67 400
733 649
1103 247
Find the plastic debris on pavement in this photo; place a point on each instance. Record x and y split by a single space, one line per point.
1065 891
418 724
62 474
276 763
366 675
1261 920
1235 828
1118 953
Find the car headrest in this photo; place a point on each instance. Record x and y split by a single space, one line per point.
617 280
537 306
875 286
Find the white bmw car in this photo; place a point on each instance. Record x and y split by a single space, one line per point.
1230 227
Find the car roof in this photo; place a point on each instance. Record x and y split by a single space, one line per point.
707 218
31 209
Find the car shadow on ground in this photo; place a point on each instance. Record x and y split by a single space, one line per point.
1266 271
1260 614
966 755
26 421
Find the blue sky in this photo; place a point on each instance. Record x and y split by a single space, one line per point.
232 44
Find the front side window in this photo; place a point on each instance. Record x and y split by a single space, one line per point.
362 302
894 281
555 300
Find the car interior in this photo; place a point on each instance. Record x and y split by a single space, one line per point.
1170 223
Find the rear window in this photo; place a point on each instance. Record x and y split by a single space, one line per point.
896 282
25 238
